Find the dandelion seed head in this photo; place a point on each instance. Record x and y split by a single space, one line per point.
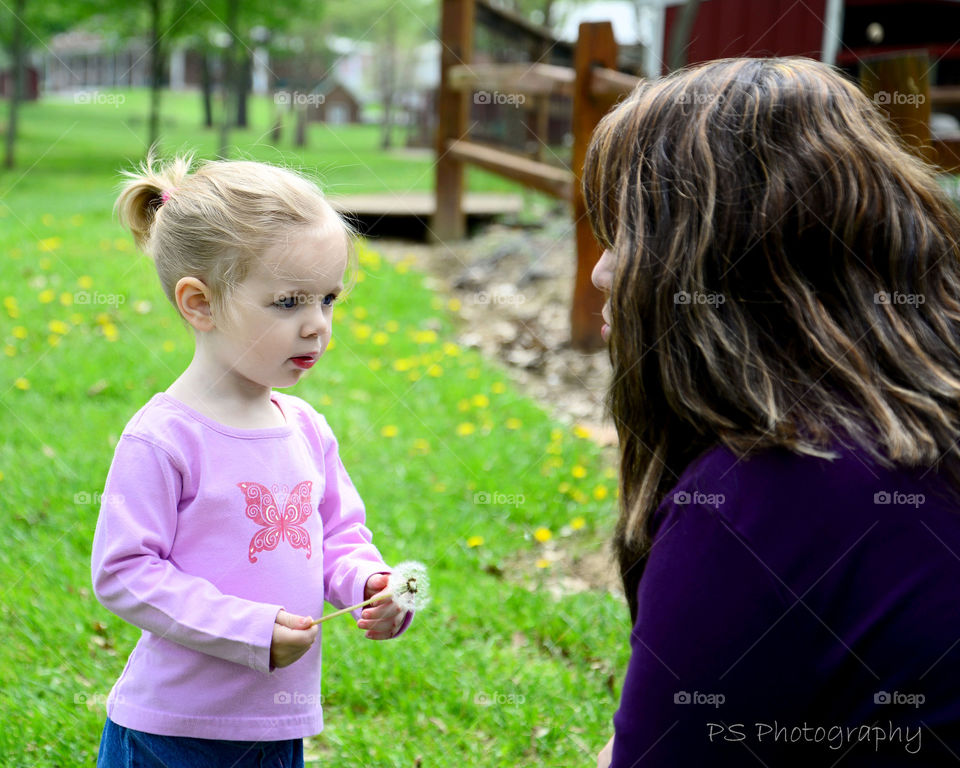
409 585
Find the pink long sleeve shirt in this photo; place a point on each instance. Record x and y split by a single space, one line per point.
205 533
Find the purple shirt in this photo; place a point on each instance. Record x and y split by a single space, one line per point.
205 533
796 611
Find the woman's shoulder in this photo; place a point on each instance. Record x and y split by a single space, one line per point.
303 416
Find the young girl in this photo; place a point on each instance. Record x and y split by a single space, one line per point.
784 326
228 517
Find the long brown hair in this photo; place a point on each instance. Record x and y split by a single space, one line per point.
787 275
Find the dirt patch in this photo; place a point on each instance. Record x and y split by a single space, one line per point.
512 287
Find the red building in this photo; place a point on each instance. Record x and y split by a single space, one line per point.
841 32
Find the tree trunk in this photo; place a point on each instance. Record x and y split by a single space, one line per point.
680 35
206 84
388 84
229 76
156 71
16 93
244 73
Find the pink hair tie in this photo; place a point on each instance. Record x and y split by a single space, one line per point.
164 196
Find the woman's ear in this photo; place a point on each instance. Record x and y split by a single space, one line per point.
193 301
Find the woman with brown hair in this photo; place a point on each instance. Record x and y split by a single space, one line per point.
784 326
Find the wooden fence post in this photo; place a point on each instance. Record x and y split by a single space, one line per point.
453 111
596 47
900 84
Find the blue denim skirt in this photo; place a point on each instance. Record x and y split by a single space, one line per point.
126 748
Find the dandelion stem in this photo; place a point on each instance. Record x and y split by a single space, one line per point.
374 599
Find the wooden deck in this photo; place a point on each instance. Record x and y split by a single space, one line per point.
423 205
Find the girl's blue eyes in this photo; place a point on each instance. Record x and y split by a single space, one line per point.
290 302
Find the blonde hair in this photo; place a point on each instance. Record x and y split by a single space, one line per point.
214 223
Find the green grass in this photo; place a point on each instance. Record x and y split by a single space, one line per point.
495 672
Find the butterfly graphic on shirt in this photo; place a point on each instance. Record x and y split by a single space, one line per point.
279 523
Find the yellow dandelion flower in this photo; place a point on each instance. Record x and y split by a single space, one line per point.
360 313
556 435
402 267
582 432
450 349
66 299
498 388
46 296
579 496
110 331
578 471
454 305
331 345
480 401
380 338
563 487
49 244
22 384
475 541
361 276
513 423
10 302
375 364
19 332
85 282
13 311
543 563
53 339
435 371
421 447
389 430
1 477
425 337
600 492
58 326
168 346
402 364
465 428
542 535
577 523
391 326
103 318
362 331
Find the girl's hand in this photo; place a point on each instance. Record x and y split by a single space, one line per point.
381 620
291 638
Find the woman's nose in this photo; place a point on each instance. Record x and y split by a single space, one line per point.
602 275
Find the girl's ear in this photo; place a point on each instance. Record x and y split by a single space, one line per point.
193 301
